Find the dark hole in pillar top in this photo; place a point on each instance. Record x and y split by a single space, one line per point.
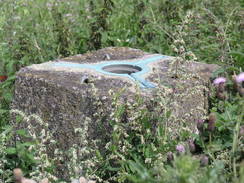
122 69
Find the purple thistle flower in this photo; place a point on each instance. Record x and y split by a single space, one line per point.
219 80
240 78
180 148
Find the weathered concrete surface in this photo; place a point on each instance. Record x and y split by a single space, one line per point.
63 99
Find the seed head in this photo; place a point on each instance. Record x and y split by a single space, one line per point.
200 123
241 133
204 160
222 95
191 145
170 157
221 87
211 121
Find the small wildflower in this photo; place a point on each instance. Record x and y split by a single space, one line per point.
219 80
240 78
182 49
189 14
180 148
68 15
148 160
211 122
182 41
176 41
175 50
204 160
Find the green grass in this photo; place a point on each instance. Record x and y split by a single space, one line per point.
35 31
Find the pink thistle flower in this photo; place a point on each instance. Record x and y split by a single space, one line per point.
240 78
180 148
219 80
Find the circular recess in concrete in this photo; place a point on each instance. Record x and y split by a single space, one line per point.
122 68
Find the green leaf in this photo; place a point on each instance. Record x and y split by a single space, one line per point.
168 114
7 96
27 144
18 119
11 150
113 169
2 111
22 133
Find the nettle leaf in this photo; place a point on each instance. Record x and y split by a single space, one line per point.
168 114
215 146
232 69
8 82
146 122
11 78
239 56
30 157
11 150
7 96
217 73
28 144
22 133
24 145
227 144
18 119
2 111
113 169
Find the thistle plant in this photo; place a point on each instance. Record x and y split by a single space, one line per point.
179 46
